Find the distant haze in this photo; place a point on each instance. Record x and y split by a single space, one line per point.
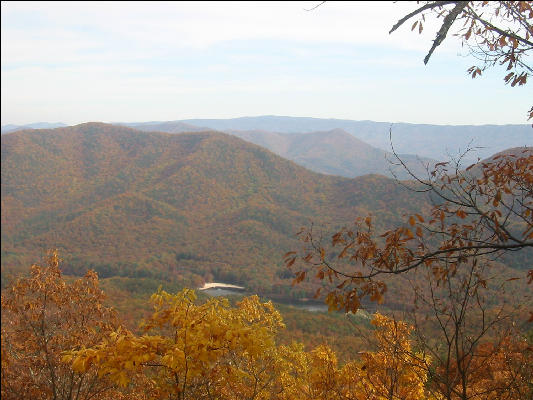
35 125
437 142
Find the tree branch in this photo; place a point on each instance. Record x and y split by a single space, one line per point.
446 24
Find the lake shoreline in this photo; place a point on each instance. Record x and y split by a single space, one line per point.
221 289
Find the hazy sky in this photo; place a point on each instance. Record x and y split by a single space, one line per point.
78 62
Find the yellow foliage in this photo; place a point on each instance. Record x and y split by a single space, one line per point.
193 350
42 317
215 351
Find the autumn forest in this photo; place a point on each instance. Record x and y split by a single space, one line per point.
216 259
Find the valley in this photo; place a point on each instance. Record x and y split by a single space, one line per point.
180 207
184 209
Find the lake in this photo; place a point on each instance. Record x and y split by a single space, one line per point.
220 289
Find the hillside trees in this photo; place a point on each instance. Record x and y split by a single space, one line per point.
394 371
389 373
192 350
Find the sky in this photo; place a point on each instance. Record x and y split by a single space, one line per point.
75 62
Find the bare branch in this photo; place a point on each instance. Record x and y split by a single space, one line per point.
315 7
447 23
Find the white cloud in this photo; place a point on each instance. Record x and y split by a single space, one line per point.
145 29
111 61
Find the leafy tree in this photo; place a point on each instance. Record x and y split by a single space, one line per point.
307 375
391 372
43 316
504 371
214 351
194 351
465 335
394 371
495 32
477 216
487 211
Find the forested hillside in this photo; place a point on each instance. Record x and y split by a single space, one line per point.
185 207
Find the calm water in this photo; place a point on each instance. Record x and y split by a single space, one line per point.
316 307
310 307
313 307
218 292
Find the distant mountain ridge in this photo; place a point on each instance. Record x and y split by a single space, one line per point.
168 127
333 152
437 142
433 141
336 152
36 125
